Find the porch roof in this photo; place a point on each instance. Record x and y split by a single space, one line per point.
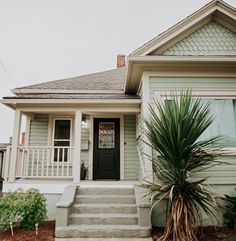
75 96
111 81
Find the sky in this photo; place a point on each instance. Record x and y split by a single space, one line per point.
44 40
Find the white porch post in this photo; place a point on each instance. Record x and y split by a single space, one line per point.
77 147
15 142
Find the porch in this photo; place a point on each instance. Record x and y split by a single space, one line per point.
54 152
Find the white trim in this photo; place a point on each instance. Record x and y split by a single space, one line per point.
53 135
15 143
86 109
77 147
63 91
211 59
122 148
147 148
91 137
70 101
209 94
27 130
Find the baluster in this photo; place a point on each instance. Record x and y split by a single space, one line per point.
68 162
48 159
27 163
58 158
37 167
53 156
32 166
43 154
22 162
63 161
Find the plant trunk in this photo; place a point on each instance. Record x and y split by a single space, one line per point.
179 226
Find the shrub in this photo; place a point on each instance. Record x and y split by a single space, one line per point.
230 214
9 209
25 209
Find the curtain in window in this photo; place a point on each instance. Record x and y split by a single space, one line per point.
224 112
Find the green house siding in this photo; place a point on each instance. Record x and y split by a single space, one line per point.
211 39
130 149
38 134
220 175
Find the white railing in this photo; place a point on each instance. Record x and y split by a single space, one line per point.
42 162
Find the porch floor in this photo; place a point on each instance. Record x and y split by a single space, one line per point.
57 186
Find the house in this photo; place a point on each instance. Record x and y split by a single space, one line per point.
99 119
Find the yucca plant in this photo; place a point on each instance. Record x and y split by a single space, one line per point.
174 129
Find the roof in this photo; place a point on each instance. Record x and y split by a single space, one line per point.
76 96
111 80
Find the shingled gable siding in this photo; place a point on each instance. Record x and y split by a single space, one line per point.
211 39
224 174
130 155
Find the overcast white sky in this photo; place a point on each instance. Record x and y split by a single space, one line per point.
43 40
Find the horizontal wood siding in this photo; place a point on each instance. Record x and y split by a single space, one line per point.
197 84
130 155
223 174
38 135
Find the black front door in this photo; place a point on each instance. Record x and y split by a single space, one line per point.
106 150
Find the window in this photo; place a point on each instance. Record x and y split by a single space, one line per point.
224 124
61 139
106 135
224 112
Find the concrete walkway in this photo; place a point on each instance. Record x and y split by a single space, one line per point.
103 239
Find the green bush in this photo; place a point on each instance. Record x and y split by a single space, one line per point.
230 214
25 209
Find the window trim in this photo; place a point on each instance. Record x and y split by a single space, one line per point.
53 134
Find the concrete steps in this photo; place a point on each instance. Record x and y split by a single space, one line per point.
104 208
105 219
102 231
103 213
128 199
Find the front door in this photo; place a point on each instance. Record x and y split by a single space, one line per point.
106 150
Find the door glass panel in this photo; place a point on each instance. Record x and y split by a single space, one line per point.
106 135
62 129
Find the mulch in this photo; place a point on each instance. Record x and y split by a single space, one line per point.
45 233
206 234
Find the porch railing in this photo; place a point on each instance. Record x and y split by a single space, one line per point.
42 162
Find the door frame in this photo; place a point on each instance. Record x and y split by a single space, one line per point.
91 140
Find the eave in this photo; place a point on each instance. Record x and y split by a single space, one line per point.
212 66
72 103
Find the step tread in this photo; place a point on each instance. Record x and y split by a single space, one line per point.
101 227
104 215
104 196
103 205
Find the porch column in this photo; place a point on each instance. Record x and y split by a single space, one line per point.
77 147
15 142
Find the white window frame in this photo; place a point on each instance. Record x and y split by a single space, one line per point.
53 134
160 96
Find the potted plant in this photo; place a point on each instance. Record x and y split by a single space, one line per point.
83 171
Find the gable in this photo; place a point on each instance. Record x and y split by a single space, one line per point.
212 13
211 39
